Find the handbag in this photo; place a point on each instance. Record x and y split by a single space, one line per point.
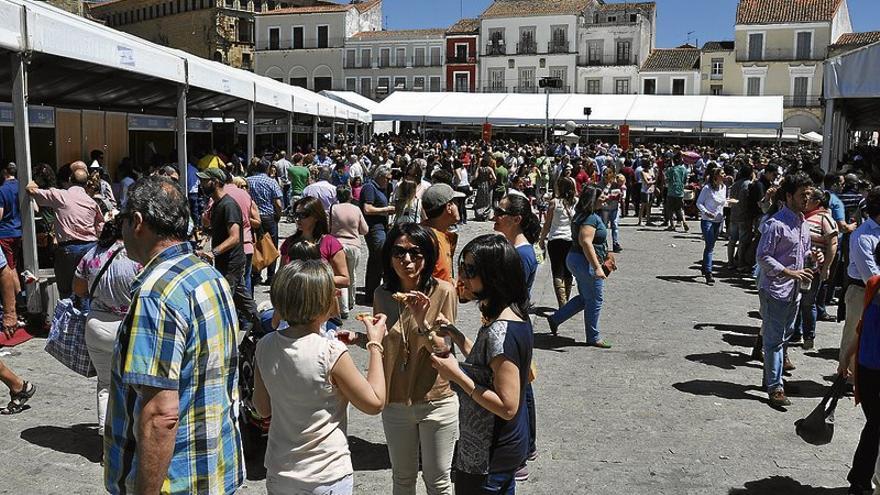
609 264
818 427
67 336
265 252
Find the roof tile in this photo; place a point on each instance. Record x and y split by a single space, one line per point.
523 8
672 59
464 26
323 7
650 6
848 41
398 34
718 46
785 11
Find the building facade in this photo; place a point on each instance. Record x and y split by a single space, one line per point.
462 56
614 40
716 57
377 63
306 45
671 71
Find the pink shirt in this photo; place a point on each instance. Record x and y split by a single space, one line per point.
347 223
244 202
77 216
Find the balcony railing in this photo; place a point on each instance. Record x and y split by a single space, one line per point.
558 46
526 48
777 55
802 101
263 44
455 59
494 89
604 61
496 49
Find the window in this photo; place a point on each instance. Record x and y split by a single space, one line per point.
435 55
801 88
461 52
560 73
558 39
594 52
323 84
399 83
678 86
298 38
753 86
624 49
435 84
612 18
302 82
804 48
649 86
323 37
245 31
496 42
462 82
164 9
419 83
366 58
756 46
385 57
527 44
419 58
526 81
350 59
351 84
716 89
634 18
274 38
496 80
594 86
621 86
400 57
382 86
246 60
367 86
717 68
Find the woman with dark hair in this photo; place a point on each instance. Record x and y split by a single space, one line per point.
555 237
109 303
515 219
462 184
311 225
492 381
711 204
421 415
484 181
588 251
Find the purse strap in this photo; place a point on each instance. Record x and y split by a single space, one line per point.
103 271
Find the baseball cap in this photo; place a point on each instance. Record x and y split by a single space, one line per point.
212 173
438 195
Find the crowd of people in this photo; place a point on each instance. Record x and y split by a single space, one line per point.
170 274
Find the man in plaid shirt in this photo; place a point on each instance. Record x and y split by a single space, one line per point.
171 424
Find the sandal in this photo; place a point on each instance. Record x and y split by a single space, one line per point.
600 344
17 404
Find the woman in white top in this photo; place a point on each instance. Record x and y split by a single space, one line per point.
555 237
305 381
348 225
462 185
711 203
407 205
647 193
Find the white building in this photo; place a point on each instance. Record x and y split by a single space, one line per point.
378 63
671 71
614 40
304 46
523 41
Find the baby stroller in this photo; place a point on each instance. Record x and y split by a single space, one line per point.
254 428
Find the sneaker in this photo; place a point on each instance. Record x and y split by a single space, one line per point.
671 228
794 339
533 456
522 474
617 248
778 398
710 280
685 225
601 344
827 318
808 344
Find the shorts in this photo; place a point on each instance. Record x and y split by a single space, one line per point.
11 247
647 197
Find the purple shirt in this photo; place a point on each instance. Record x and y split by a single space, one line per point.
785 242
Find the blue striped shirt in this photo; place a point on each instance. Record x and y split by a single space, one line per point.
264 191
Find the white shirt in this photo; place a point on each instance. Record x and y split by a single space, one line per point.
711 203
862 244
356 170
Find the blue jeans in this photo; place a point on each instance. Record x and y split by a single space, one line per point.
805 324
485 484
612 220
248 273
533 419
375 241
66 259
777 325
588 300
710 235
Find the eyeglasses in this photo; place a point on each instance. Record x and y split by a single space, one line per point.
468 270
400 253
499 211
299 215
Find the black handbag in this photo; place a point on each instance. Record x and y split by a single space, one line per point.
818 427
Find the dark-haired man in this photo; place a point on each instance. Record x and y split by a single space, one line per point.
781 253
441 214
171 427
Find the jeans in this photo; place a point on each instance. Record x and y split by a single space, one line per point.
710 235
100 336
276 483
485 484
674 209
375 240
865 456
249 273
776 327
740 237
285 196
270 226
352 260
533 419
805 324
245 306
610 217
588 300
429 428
66 259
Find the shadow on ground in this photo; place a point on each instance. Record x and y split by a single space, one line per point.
718 388
550 342
829 353
726 360
81 439
724 327
694 279
368 456
776 485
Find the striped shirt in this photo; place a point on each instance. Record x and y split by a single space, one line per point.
179 334
822 227
264 190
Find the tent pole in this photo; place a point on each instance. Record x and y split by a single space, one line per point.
828 135
252 143
290 132
315 133
547 118
333 131
23 161
181 136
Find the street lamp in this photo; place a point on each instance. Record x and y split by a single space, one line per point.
587 112
548 83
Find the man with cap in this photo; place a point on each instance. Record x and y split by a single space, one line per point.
267 194
441 214
226 226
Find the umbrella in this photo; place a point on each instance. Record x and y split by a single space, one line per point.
690 156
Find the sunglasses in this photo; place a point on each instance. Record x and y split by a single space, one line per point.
299 215
400 253
500 212
468 270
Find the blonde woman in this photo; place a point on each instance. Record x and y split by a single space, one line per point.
305 381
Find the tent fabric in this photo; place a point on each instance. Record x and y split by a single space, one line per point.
10 27
707 112
854 74
352 99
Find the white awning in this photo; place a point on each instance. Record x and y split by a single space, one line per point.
352 99
854 74
10 26
606 109
667 111
272 93
463 108
734 112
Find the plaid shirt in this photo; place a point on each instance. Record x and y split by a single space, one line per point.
179 334
264 190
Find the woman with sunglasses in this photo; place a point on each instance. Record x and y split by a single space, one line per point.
422 410
515 220
588 251
492 380
311 226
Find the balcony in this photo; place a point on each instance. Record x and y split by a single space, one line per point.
716 76
496 48
455 59
263 45
604 61
777 55
525 88
494 89
526 48
558 47
802 101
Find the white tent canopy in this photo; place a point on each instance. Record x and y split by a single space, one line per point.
351 99
756 112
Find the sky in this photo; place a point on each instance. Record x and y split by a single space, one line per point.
678 21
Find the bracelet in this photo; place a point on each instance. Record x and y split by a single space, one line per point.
471 395
377 345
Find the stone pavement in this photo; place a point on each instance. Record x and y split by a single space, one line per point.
674 408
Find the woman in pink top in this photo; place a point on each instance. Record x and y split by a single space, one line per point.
311 225
347 223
